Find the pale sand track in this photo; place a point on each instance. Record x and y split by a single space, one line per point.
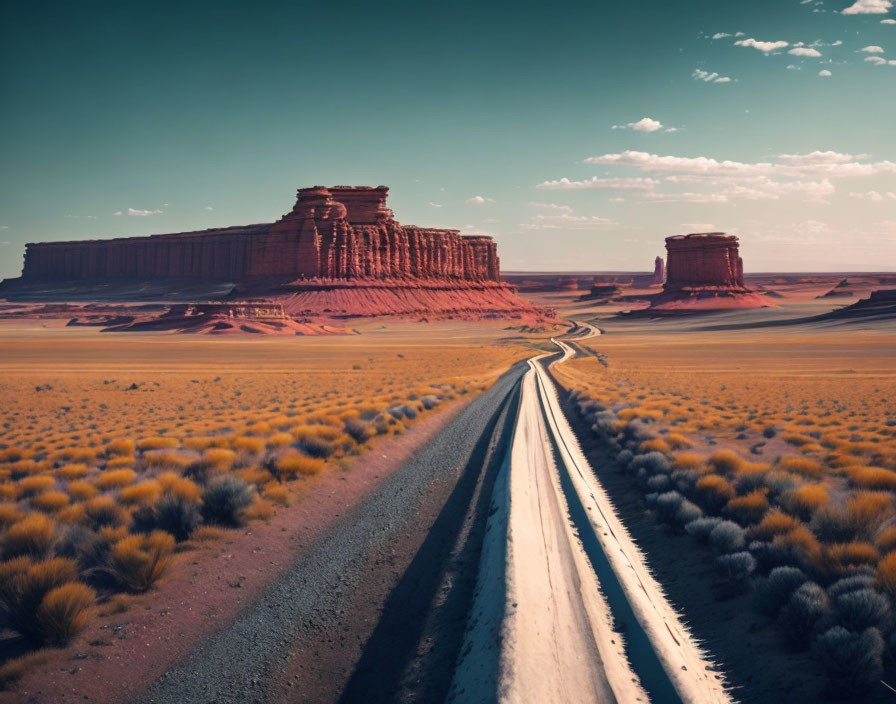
553 536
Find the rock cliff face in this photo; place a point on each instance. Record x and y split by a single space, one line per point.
345 232
659 272
704 272
703 262
339 252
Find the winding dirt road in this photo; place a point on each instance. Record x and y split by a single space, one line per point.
573 579
492 567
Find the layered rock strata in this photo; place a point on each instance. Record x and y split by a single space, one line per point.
338 233
332 241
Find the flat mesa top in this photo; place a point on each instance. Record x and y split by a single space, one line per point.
703 236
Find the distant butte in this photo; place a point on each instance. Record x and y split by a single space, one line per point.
338 253
704 271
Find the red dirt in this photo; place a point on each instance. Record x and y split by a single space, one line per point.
119 655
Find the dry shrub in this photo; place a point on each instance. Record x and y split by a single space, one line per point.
72 514
677 441
324 432
33 535
255 475
65 611
655 445
50 501
279 440
843 558
714 491
115 478
81 490
23 587
29 486
200 443
166 458
276 493
260 510
293 464
156 443
886 540
871 477
103 511
219 458
688 460
869 511
749 508
145 492
120 462
13 670
800 465
225 501
72 471
726 462
805 500
253 446
886 574
9 514
797 439
802 545
137 562
121 447
176 485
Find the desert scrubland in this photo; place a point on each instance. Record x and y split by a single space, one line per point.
121 456
777 449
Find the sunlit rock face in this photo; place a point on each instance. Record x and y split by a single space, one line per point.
344 232
703 261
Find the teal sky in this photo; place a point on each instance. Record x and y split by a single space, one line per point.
191 115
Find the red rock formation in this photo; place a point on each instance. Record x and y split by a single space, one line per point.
333 240
659 272
704 261
346 232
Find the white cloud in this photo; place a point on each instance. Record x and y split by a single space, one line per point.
817 164
610 184
549 206
824 73
645 124
4 227
435 205
880 61
888 21
872 49
138 213
478 200
686 197
720 35
804 51
873 196
869 7
761 46
700 75
208 207
79 217
566 221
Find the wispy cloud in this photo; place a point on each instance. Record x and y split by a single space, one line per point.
549 206
700 75
765 47
880 61
872 49
435 205
873 196
825 164
610 184
566 221
137 212
824 73
869 7
478 200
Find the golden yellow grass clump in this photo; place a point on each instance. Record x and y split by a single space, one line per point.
130 447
